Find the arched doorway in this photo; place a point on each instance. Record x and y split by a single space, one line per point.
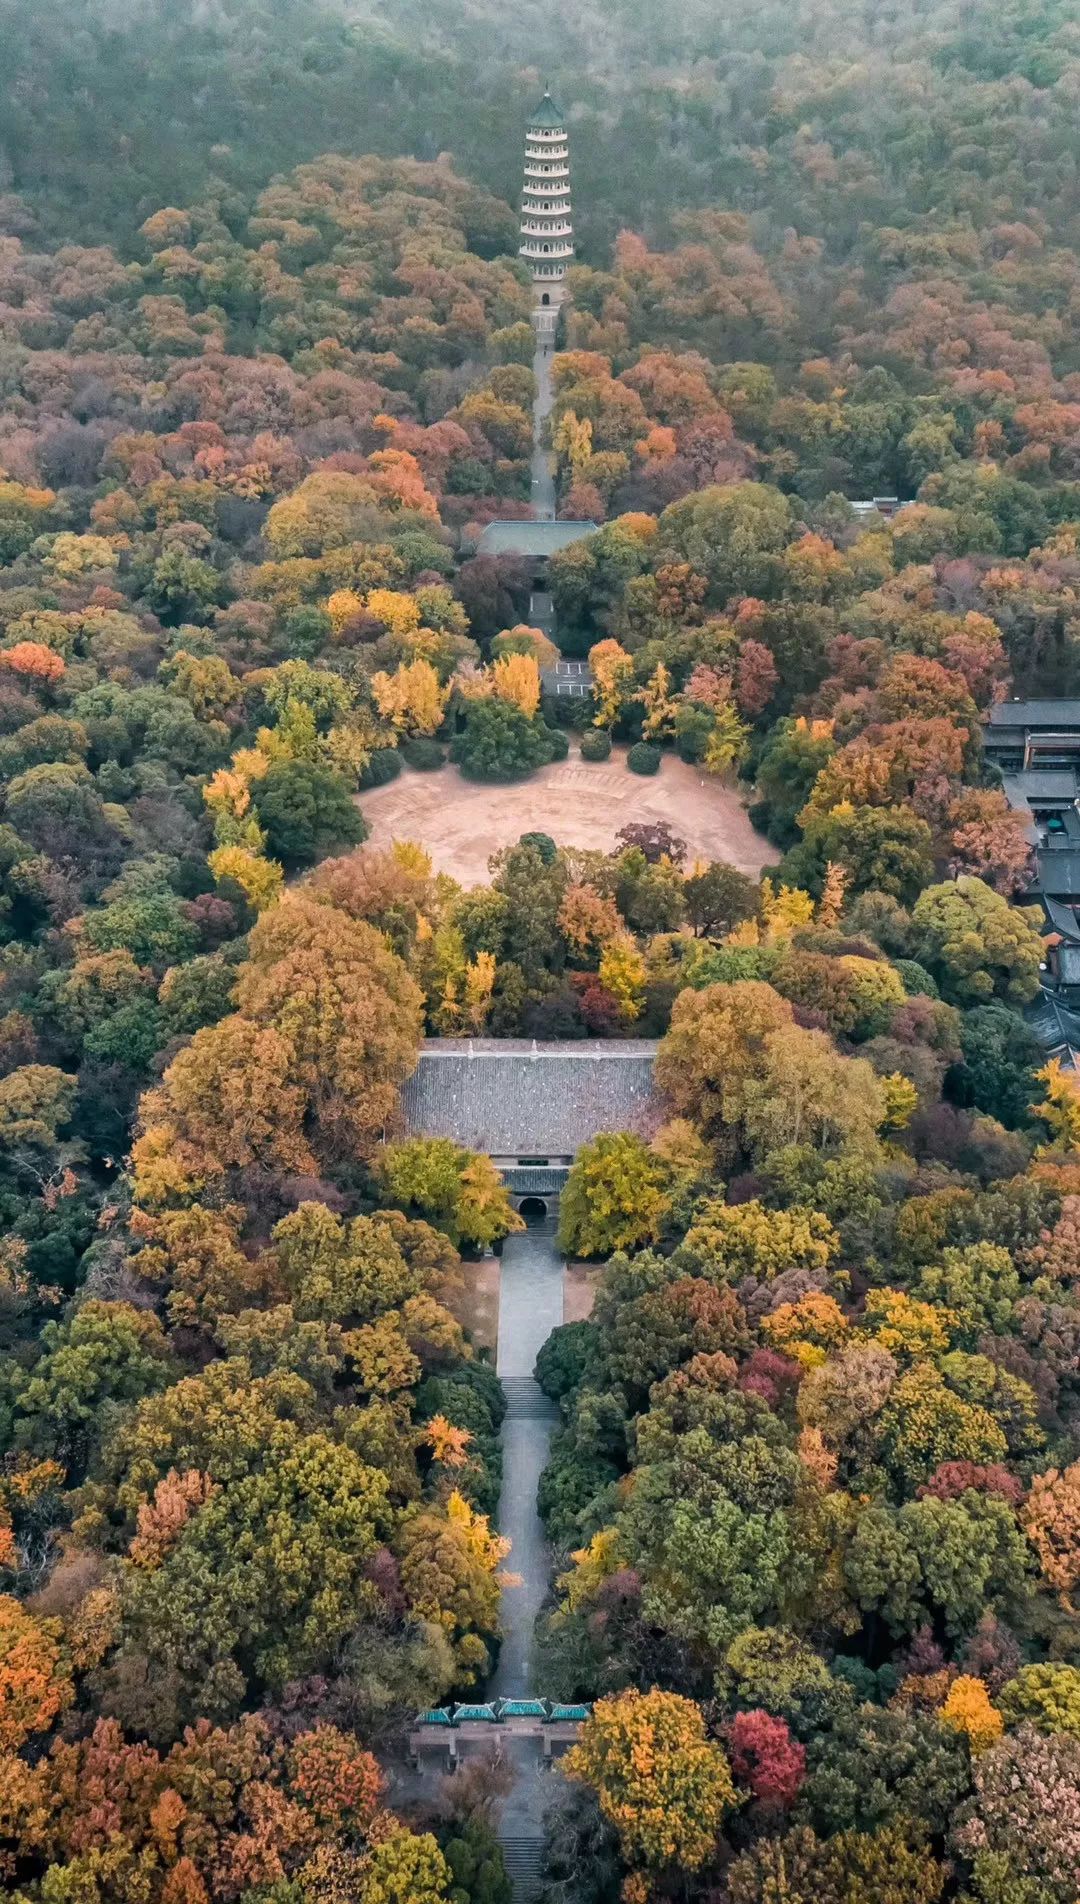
533 1209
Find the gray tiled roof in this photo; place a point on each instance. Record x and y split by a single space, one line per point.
532 538
513 1097
1040 787
1055 1026
1053 714
1059 872
1062 917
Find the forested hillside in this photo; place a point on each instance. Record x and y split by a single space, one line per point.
840 120
266 370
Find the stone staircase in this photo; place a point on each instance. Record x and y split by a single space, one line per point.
523 1857
526 1401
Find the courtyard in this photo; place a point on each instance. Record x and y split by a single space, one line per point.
579 803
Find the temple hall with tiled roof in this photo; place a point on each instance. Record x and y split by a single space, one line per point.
529 1105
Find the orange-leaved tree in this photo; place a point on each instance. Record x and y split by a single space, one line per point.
304 1074
35 1678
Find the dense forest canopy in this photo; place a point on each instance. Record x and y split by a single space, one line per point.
835 119
266 372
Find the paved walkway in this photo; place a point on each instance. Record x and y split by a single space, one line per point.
543 463
542 612
530 1307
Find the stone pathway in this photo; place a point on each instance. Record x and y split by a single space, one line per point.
543 463
530 1307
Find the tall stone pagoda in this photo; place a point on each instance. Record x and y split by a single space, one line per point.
547 233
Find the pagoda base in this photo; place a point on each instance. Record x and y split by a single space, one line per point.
548 293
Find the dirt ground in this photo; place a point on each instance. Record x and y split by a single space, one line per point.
580 803
579 1291
477 1306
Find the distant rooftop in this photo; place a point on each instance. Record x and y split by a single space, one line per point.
1059 871
1056 1027
532 538
1051 714
1037 784
513 1097
1062 918
885 506
548 117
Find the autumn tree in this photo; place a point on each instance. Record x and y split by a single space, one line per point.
267 1574
308 1066
100 1355
221 1806
613 680
459 1190
883 1864
716 1040
616 1196
976 944
1051 1520
881 849
735 1061
665 1787
989 840
411 698
765 1757
1022 1824
451 1574
35 1676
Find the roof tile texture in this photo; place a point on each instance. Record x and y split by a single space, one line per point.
517 1098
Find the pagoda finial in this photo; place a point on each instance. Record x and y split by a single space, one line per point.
548 116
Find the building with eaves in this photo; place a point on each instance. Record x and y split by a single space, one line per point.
532 1105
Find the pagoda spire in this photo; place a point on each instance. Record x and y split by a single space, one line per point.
547 231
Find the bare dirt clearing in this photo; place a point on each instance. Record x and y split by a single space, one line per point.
476 1304
579 1290
580 803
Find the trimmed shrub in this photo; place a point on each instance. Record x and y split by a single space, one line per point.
643 758
558 742
424 754
596 744
384 765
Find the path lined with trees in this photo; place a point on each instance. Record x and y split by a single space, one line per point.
530 1307
543 470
